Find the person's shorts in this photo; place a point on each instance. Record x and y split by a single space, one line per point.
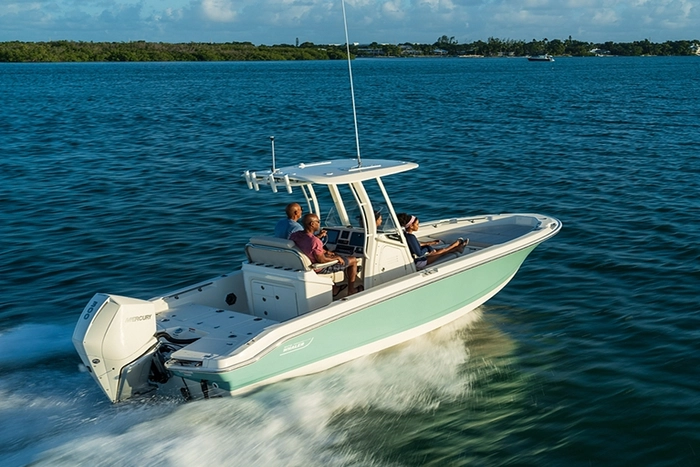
421 263
335 267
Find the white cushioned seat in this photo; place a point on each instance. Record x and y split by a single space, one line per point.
283 253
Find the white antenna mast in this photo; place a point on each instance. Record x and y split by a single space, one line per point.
352 89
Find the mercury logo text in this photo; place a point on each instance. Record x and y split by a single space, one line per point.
138 318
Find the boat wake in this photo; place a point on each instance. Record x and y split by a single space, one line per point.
310 420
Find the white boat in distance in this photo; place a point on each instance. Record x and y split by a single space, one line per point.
540 58
275 318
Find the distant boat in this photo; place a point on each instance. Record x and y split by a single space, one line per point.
540 58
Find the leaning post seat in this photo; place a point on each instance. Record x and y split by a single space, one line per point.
280 280
284 253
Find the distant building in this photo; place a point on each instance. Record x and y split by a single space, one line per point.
368 50
409 50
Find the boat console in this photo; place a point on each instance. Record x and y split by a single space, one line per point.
349 242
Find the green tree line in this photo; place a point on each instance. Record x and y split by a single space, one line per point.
141 51
493 47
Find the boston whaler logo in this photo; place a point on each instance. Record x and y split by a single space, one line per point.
289 348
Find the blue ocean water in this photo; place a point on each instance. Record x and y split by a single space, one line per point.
125 178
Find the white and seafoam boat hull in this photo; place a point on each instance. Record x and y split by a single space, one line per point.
235 351
275 318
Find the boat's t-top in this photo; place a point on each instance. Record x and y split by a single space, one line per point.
354 198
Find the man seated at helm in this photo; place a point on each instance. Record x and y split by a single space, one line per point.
313 248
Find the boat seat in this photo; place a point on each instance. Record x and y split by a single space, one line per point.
283 253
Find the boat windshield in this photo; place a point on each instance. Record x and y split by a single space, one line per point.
342 206
332 219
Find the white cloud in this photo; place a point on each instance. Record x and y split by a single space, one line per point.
18 7
438 5
218 10
605 16
393 10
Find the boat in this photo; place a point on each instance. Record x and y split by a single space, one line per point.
276 318
540 58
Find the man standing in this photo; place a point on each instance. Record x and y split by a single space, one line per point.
313 248
286 227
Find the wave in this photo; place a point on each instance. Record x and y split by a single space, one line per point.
29 344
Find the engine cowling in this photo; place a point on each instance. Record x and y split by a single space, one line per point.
115 338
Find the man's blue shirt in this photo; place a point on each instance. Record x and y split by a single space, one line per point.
286 227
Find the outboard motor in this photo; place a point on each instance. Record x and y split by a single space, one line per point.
115 338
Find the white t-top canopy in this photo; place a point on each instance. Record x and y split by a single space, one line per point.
333 172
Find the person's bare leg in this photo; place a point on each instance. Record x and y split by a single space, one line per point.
351 270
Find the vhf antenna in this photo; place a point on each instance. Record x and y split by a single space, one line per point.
352 89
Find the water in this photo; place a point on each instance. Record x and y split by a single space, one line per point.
125 178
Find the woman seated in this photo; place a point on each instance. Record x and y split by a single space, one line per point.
423 252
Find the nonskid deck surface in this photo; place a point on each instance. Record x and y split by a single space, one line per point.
481 235
219 331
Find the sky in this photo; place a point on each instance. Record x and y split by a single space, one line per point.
321 22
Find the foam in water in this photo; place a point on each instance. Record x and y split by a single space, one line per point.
289 423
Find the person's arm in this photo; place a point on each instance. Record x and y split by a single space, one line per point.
328 256
414 245
323 256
